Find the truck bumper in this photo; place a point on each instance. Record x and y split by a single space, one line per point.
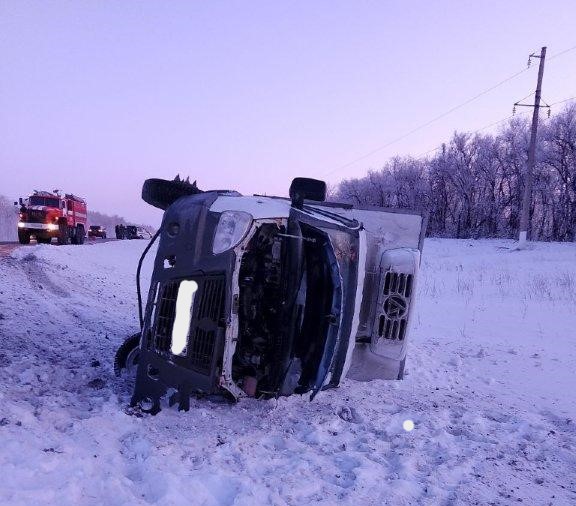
36 227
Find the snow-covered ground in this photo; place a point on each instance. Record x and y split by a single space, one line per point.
490 387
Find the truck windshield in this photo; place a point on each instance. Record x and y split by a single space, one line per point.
44 201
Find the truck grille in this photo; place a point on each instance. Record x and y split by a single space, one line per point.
210 313
165 315
207 316
395 298
35 216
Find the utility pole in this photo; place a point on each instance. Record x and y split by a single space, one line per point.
527 196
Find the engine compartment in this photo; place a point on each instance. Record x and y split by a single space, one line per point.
263 345
283 311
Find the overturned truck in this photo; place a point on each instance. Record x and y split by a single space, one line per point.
267 296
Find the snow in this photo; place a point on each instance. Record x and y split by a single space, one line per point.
489 388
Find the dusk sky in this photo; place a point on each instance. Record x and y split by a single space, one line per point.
96 96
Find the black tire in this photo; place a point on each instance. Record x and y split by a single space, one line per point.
80 234
63 234
23 237
127 355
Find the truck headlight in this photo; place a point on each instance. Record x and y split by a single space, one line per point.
231 229
52 227
21 224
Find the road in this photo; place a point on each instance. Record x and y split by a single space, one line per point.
8 247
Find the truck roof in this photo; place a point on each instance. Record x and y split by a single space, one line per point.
67 196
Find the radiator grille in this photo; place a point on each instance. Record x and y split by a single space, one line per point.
210 313
202 350
165 315
397 282
212 300
35 216
396 293
207 316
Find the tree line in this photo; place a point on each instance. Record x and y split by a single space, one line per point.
472 186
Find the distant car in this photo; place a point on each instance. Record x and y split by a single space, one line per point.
97 231
131 232
142 233
134 232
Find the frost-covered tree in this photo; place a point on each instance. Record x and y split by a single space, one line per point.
473 185
8 220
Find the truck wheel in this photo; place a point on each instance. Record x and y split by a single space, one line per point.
23 237
80 234
63 234
127 355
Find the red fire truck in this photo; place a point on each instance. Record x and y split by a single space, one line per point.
45 215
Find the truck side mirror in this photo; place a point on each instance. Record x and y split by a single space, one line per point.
161 193
304 188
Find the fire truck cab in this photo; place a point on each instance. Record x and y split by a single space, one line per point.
45 215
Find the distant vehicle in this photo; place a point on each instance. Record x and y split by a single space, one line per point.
143 233
131 232
135 232
256 296
120 231
45 215
97 231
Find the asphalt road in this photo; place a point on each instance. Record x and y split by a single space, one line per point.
7 247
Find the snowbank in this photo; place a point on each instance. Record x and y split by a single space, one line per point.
489 387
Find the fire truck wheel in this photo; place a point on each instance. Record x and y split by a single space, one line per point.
79 234
23 237
63 234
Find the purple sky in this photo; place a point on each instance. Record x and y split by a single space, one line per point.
96 96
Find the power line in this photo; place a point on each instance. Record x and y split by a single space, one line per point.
440 116
503 120
562 101
424 125
561 53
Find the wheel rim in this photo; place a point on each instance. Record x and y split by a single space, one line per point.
132 360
